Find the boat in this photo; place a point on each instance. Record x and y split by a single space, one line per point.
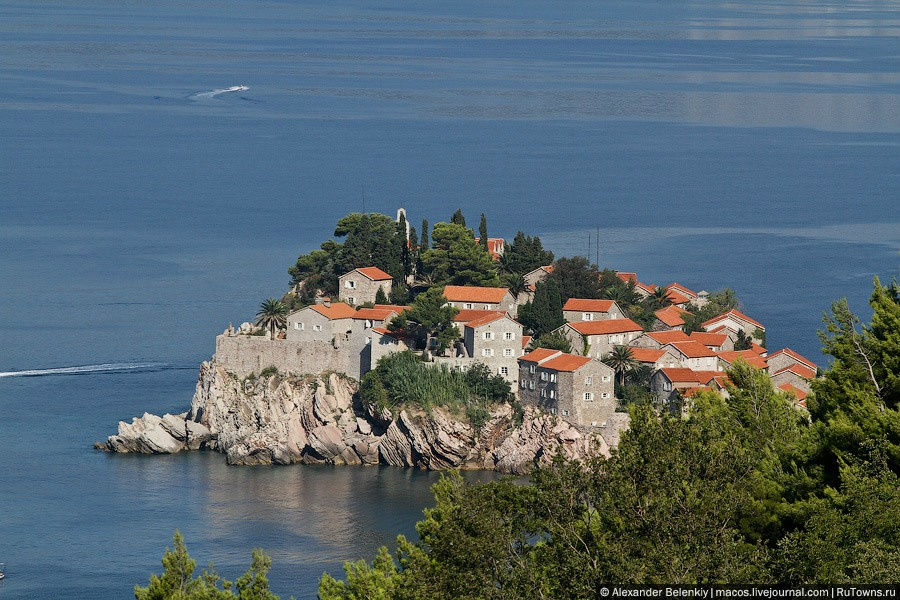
238 88
2 574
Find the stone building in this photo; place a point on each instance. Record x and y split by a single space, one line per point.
668 383
496 341
324 322
717 342
693 355
658 339
735 321
669 318
654 358
361 285
480 298
577 388
781 359
727 358
597 338
796 375
588 309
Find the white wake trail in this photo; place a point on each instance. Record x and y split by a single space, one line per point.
85 369
214 93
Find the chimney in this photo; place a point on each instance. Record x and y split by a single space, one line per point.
326 301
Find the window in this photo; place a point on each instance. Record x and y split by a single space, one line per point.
543 376
368 323
531 369
588 396
543 393
589 380
468 305
317 328
487 351
504 370
565 413
523 384
509 335
350 284
351 300
507 352
553 393
606 378
587 316
488 335
299 325
531 384
553 377
368 340
604 395
552 411
667 386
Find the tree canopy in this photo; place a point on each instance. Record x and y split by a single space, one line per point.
456 259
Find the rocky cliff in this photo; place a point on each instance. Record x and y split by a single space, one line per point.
286 419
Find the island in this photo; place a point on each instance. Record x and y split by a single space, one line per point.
453 349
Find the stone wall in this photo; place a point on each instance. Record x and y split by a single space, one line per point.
243 354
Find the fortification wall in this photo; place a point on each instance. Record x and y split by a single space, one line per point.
243 354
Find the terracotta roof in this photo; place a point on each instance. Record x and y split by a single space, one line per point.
588 305
566 362
338 310
626 276
487 319
685 291
708 339
467 314
693 391
539 354
375 314
758 349
798 369
493 244
798 393
649 288
676 297
799 358
646 355
671 315
737 315
373 273
679 374
665 337
381 330
750 357
692 349
461 293
526 339
605 327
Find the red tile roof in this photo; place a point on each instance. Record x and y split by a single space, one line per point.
461 293
588 305
758 349
685 291
797 357
539 354
692 349
375 314
605 327
678 374
649 288
646 355
526 339
337 310
798 393
737 315
676 297
671 315
381 330
693 391
709 339
798 369
750 357
487 319
467 314
374 273
626 276
566 362
665 337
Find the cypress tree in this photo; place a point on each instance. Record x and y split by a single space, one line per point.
424 243
482 232
458 218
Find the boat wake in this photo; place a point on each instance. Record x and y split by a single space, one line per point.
91 369
214 93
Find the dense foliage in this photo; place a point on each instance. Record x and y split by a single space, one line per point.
745 489
402 379
428 322
544 313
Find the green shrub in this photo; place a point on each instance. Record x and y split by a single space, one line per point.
268 372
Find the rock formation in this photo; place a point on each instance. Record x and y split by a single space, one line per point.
313 419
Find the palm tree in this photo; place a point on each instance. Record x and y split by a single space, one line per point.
660 297
272 314
621 360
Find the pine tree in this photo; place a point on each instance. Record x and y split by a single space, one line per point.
458 218
543 314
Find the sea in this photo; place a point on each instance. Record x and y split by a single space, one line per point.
163 163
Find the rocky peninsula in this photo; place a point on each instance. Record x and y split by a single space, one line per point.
286 419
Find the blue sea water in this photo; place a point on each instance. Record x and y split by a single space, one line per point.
754 145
